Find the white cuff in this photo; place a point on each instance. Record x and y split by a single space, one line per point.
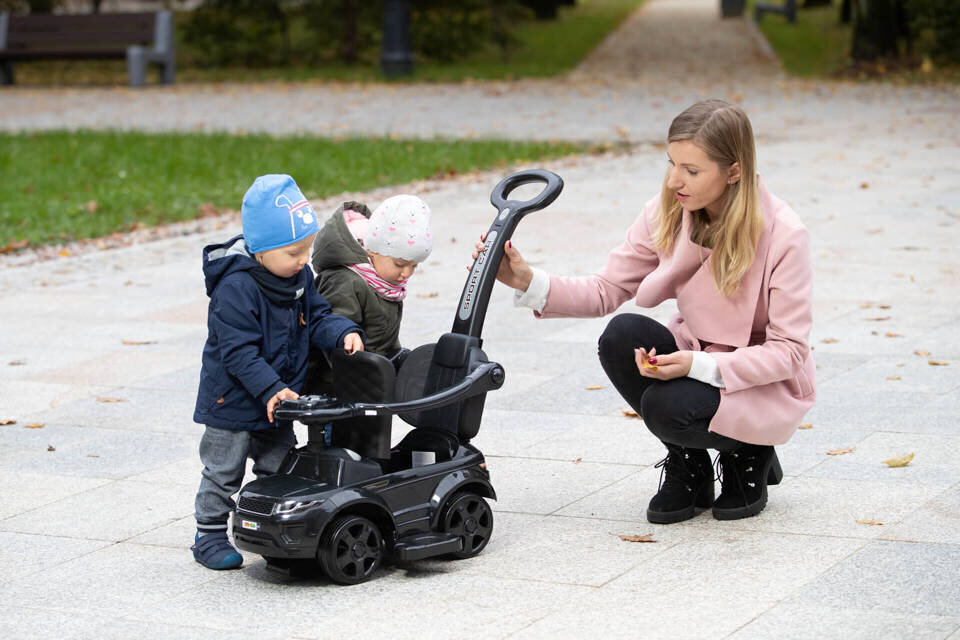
705 369
535 297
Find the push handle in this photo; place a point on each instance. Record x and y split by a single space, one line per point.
500 194
476 292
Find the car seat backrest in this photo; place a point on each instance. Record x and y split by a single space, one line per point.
434 367
363 377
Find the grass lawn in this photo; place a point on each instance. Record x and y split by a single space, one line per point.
71 185
546 48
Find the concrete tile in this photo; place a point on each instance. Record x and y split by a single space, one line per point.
24 554
934 461
807 449
527 485
805 622
627 615
117 368
592 550
114 511
117 580
873 578
185 380
913 373
112 454
178 534
831 507
933 521
23 400
890 410
739 564
25 492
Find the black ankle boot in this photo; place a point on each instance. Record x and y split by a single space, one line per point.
744 476
686 485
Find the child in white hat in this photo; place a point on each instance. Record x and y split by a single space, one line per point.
363 261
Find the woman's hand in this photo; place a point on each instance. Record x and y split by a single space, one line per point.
514 270
283 394
663 367
352 343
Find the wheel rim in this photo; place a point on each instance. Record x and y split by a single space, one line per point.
470 518
356 549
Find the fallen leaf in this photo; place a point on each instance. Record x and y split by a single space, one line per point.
110 400
647 537
432 294
899 461
10 247
17 363
50 447
874 523
593 387
893 378
4 423
884 306
937 363
645 362
135 342
63 253
865 305
578 461
35 425
840 452
92 455
829 340
891 334
921 352
864 185
877 319
630 413
805 426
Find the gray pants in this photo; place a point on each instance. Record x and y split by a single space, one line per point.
224 455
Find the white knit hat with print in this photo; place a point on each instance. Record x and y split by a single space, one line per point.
400 228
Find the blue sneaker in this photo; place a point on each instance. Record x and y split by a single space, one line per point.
214 551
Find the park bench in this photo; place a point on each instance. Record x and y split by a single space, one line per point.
141 38
788 9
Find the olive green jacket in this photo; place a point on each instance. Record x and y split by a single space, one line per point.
348 293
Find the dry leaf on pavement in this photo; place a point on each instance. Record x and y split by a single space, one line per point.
578 461
16 363
135 342
921 352
110 400
840 452
894 378
875 523
593 387
805 426
891 334
647 537
7 421
432 294
829 340
899 461
50 447
877 319
35 425
937 363
630 413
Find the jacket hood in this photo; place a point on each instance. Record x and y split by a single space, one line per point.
335 246
220 260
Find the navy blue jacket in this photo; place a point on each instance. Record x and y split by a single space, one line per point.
255 347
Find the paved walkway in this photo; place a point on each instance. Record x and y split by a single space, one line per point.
96 513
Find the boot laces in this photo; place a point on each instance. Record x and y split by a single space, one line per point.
727 467
679 468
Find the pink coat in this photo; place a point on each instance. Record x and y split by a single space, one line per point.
759 337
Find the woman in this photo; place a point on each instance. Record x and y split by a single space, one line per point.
732 371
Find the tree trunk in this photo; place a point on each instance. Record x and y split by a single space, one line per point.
877 27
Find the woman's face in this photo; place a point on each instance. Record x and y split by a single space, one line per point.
698 181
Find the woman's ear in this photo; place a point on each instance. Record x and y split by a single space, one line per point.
733 173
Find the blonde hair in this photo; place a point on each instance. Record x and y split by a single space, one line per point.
724 133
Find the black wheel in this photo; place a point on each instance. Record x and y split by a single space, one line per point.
351 550
470 517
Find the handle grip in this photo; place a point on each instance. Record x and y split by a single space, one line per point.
499 197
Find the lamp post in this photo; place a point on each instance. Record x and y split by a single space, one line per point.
396 58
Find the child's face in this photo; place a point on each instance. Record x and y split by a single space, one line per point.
393 270
287 261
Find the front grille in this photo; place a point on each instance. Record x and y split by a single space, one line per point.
255 505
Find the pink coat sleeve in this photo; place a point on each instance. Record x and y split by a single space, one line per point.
782 354
603 292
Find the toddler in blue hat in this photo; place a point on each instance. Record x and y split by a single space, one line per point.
263 317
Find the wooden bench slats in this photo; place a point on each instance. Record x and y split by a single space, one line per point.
80 21
58 54
51 40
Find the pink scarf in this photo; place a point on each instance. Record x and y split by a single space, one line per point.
384 289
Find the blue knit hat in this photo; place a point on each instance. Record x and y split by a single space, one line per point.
275 214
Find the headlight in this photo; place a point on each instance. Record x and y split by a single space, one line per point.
292 506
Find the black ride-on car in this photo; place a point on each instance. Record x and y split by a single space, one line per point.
347 505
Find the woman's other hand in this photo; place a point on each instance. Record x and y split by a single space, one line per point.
663 367
514 270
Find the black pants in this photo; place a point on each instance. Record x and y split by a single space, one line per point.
676 411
